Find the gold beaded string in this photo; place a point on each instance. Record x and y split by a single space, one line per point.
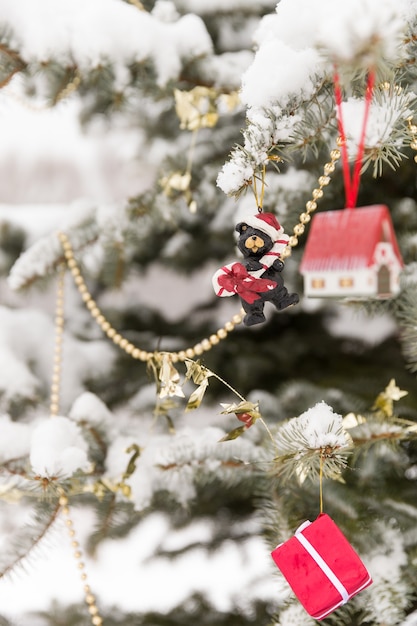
137 4
69 88
54 410
117 338
215 338
413 132
63 94
90 600
59 330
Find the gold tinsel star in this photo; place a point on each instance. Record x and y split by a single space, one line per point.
385 400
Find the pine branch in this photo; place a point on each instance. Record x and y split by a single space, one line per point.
26 541
115 520
312 445
11 64
105 230
406 315
138 58
317 124
41 260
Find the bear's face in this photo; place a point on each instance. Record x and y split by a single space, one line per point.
253 242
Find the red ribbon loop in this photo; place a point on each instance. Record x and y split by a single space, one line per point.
352 184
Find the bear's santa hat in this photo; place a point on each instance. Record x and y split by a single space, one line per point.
266 222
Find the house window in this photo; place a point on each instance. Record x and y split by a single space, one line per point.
346 281
317 283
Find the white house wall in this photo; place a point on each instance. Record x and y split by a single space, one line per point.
364 283
359 282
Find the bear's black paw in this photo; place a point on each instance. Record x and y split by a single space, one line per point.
278 265
251 319
289 300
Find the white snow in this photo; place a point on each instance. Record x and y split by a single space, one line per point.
234 174
279 73
174 461
105 224
411 620
57 448
322 427
300 43
38 261
14 439
365 30
61 161
91 33
353 323
26 353
88 407
125 574
383 118
340 32
388 596
161 289
319 426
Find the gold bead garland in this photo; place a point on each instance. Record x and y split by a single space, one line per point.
117 338
413 131
63 94
69 88
96 619
59 330
137 4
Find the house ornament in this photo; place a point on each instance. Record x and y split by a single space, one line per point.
352 253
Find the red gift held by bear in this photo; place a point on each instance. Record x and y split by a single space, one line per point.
321 566
258 278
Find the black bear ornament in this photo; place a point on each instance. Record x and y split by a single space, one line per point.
258 279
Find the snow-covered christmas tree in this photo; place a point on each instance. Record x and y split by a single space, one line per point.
157 442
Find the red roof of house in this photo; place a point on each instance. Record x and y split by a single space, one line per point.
346 239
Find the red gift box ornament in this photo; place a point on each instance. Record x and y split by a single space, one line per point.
321 567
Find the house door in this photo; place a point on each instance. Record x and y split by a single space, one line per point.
384 281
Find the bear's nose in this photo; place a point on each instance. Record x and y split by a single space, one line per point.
254 243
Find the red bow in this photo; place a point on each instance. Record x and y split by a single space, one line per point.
237 279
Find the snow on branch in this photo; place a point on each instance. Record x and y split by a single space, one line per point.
303 40
176 462
90 33
387 125
26 359
87 226
42 258
391 593
58 448
313 442
292 73
27 540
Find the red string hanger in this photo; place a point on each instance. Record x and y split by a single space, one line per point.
352 182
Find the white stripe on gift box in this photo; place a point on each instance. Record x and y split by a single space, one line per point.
323 566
